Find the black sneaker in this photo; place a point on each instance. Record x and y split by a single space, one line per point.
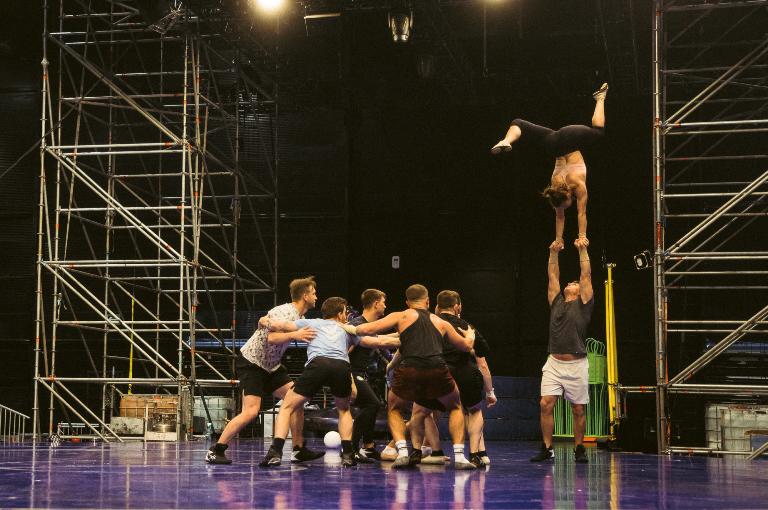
580 454
476 460
414 458
304 454
370 453
273 458
216 455
544 454
348 459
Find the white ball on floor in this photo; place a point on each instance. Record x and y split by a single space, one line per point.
332 439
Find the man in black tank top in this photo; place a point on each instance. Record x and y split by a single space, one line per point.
422 374
566 371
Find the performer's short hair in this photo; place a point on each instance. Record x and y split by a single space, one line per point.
301 285
370 296
448 299
416 292
332 307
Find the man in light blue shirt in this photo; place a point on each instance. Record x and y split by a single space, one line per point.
327 365
331 341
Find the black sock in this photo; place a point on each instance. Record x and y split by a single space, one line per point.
277 444
472 453
297 447
482 453
438 453
220 447
346 446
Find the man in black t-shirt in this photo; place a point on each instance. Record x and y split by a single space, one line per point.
566 371
360 358
475 390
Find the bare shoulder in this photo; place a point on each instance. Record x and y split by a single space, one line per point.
410 313
437 321
407 317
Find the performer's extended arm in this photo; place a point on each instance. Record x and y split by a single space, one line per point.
465 342
559 226
581 208
371 328
585 279
380 342
553 272
285 331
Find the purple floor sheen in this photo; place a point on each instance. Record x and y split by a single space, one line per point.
171 475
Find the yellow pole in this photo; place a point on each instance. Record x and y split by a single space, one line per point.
611 359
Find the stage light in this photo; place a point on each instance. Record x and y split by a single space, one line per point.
268 6
400 23
643 260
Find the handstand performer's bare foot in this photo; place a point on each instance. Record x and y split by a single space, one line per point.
601 93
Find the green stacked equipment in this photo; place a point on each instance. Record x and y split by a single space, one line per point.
597 409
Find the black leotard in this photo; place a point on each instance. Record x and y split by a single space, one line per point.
561 142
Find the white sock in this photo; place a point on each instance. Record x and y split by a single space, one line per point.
426 451
458 453
402 448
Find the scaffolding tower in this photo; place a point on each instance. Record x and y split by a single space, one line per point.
710 181
157 206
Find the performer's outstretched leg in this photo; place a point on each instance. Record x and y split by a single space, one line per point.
598 117
520 128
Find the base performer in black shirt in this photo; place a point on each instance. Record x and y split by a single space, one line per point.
566 371
422 374
465 372
360 359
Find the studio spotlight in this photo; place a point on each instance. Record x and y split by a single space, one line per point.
268 6
643 260
400 23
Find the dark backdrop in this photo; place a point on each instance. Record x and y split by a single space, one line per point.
393 165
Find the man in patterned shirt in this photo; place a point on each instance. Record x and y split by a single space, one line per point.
260 372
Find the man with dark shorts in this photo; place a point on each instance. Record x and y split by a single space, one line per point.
260 372
360 360
422 374
465 371
327 365
566 371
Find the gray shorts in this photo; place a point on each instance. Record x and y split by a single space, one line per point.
567 378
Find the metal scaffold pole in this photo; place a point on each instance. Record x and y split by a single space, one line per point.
659 294
710 205
144 199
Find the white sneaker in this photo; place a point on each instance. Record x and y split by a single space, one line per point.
389 454
463 465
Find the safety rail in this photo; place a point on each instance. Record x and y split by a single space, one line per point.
11 423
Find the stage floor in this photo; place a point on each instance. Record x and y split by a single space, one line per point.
170 475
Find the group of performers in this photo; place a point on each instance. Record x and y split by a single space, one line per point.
439 365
